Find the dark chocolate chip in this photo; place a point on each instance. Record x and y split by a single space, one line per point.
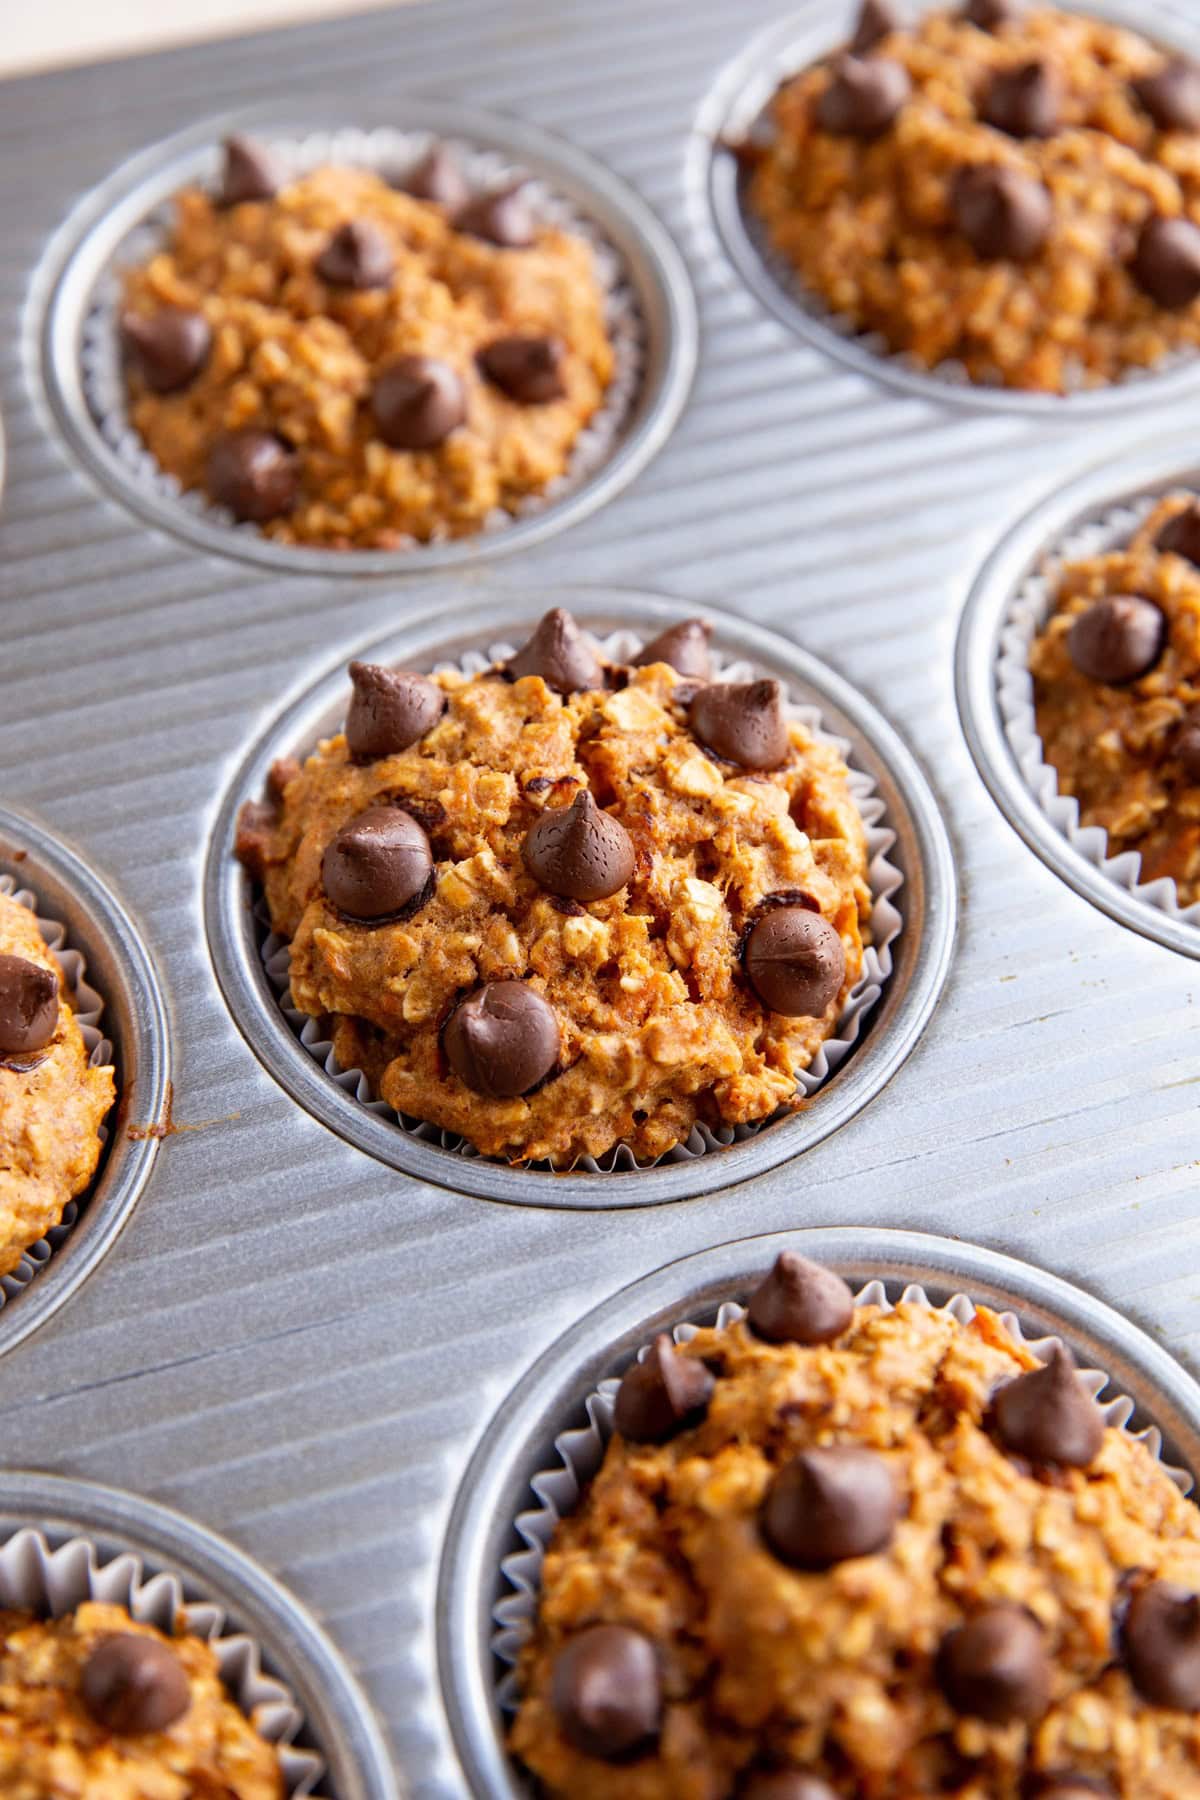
1003 214
254 474
995 1666
438 177
1048 1416
785 1784
256 822
358 255
1025 102
1187 745
989 15
1161 1645
389 710
1166 263
377 864
1172 94
560 654
133 1685
1181 534
251 172
863 97
826 1506
663 1394
579 851
606 1692
876 19
501 218
417 402
800 1302
683 646
169 348
1117 639
28 1006
795 962
742 721
502 1039
527 369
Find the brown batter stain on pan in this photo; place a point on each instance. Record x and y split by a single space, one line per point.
167 1126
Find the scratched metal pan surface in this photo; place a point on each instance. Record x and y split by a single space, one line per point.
290 1341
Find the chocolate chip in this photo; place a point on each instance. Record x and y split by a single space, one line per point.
742 721
795 962
1025 102
358 255
606 1692
254 474
501 218
1117 639
1161 1645
169 348
417 402
579 851
1048 1415
1166 263
256 822
527 369
389 710
377 864
133 1685
502 1039
663 1394
1181 534
1187 745
863 96
438 177
995 1666
28 1006
1004 215
875 20
683 646
785 1784
251 172
1172 94
989 15
827 1506
799 1302
560 654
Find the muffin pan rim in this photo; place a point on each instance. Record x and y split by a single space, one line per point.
82 248
922 953
522 1429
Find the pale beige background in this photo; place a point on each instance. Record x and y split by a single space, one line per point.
40 34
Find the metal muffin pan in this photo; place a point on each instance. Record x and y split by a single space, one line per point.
90 240
135 1020
921 954
292 1341
740 100
548 1400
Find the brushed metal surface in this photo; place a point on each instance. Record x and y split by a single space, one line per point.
290 1342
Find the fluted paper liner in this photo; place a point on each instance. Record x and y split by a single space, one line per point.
1028 610
387 153
580 1452
886 923
89 1010
50 1580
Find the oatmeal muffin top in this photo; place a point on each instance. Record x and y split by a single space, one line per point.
1003 186
560 906
836 1552
94 1706
52 1102
355 365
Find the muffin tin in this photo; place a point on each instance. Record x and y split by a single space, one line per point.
304 1345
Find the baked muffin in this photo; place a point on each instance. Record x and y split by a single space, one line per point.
1003 186
52 1102
348 364
838 1552
560 906
1116 674
94 1706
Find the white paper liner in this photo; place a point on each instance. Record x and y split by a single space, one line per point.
51 1580
581 1451
886 923
1028 610
388 153
89 1008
